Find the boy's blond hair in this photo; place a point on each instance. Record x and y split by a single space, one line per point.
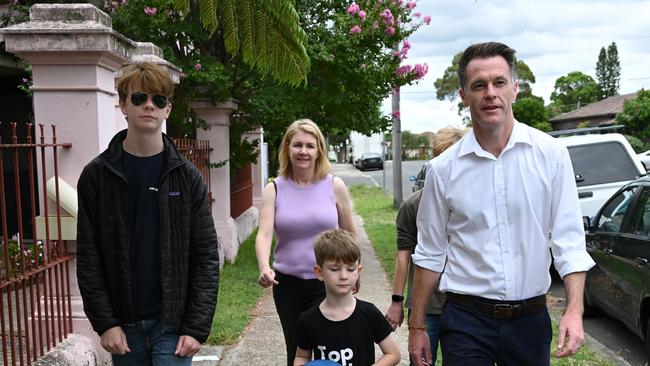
336 245
152 78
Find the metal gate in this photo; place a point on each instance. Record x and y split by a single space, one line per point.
35 308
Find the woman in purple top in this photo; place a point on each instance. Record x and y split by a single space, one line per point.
302 202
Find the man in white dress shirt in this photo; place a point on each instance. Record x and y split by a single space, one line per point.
491 204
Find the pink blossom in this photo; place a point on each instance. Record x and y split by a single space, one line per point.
388 17
406 44
410 5
353 9
150 11
417 14
403 70
390 31
355 29
198 66
395 114
420 70
427 20
375 25
362 15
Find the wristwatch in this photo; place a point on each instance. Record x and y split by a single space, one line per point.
397 298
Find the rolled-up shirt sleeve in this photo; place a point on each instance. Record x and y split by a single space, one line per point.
432 217
567 233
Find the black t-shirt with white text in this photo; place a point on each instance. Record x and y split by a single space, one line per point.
349 342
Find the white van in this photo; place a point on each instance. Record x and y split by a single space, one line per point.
602 164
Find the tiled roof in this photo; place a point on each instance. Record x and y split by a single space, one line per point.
609 106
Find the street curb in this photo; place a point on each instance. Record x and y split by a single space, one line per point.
600 348
592 343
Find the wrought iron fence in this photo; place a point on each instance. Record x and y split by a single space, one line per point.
198 152
35 307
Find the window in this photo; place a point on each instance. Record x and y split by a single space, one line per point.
603 162
640 219
611 217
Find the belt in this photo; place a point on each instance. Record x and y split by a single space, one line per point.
497 308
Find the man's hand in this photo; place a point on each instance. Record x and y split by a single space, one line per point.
571 328
114 341
419 347
395 314
187 346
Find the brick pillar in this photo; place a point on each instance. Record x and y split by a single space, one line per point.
217 117
258 179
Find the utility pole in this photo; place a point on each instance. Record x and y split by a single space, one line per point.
397 150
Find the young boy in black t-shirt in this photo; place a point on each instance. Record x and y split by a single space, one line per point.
342 328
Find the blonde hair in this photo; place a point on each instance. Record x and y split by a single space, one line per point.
150 77
445 137
308 126
336 245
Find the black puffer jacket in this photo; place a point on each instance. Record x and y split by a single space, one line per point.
188 245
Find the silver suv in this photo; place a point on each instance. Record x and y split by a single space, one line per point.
602 164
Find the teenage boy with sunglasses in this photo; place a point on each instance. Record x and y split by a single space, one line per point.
147 259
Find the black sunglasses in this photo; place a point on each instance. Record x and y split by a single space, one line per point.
139 97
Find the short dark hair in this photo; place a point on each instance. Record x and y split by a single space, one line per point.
337 245
485 50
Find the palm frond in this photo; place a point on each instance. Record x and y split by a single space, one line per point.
227 10
208 14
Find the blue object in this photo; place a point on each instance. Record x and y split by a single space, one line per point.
322 363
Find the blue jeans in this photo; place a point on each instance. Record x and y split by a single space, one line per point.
150 346
432 322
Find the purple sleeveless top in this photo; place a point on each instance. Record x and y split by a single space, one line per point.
301 213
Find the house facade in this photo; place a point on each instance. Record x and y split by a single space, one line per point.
597 114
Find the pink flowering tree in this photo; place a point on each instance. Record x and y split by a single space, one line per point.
353 68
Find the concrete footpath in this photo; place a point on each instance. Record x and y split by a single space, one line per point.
262 342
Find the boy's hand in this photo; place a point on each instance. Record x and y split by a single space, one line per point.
114 341
187 346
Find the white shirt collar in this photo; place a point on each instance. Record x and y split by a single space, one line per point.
470 144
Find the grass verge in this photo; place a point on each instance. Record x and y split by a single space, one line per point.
378 215
238 295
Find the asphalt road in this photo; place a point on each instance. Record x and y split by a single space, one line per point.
384 178
610 332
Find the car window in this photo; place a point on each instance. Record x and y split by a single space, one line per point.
640 218
370 155
611 216
600 163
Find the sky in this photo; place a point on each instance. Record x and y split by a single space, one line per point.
553 37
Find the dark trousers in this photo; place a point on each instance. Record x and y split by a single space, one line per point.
292 296
471 338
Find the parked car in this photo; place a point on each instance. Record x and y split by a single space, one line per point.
371 160
418 180
602 164
645 159
618 239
